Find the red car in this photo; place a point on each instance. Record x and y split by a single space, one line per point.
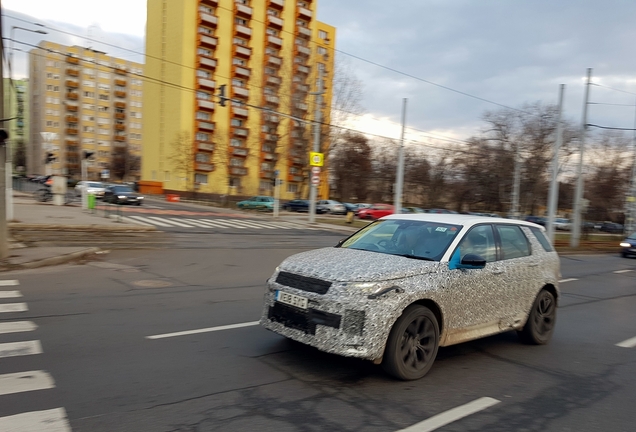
376 211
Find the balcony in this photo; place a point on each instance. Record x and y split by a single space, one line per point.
120 82
72 84
120 105
269 156
241 51
302 69
71 131
72 118
304 13
206 105
71 107
242 10
239 112
120 138
301 88
120 116
275 21
120 94
241 71
210 3
271 118
273 80
208 19
271 137
238 171
206 62
205 146
120 71
206 83
303 32
208 41
273 60
240 92
297 161
270 99
240 151
240 132
241 30
303 51
205 126
296 178
201 166
120 127
72 60
276 4
72 72
301 106
72 96
274 41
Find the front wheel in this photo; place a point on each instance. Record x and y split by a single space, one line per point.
412 344
540 325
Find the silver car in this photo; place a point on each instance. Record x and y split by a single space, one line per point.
92 187
405 285
333 207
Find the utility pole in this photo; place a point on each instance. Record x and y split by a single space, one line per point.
553 200
578 197
630 220
516 186
399 181
4 231
313 191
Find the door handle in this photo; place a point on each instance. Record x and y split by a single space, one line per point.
498 271
533 265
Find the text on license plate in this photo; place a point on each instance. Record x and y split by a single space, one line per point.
291 299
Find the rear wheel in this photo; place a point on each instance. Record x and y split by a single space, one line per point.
412 344
540 325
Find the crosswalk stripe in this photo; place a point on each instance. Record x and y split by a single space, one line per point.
252 224
133 221
17 327
15 349
9 282
172 222
198 223
10 294
222 223
145 220
53 420
24 382
13 307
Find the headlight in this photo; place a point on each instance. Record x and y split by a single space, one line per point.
371 287
121 196
624 244
140 197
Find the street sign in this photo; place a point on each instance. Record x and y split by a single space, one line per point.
316 159
315 180
105 174
315 170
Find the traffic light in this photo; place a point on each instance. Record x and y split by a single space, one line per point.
222 97
88 154
50 157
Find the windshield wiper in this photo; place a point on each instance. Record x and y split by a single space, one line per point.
415 257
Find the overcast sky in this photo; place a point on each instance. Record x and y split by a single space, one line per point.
510 52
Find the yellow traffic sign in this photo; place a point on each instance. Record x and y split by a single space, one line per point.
316 159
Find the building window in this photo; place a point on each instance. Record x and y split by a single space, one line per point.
202 136
239 41
238 61
265 185
102 108
202 157
240 21
272 32
266 166
322 50
238 82
235 182
206 30
205 52
236 122
203 95
323 34
292 187
201 178
236 142
203 74
235 162
203 115
89 94
103 97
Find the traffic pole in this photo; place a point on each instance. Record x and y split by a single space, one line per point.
553 200
399 181
4 230
578 197
313 188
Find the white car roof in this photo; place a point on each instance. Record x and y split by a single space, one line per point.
458 219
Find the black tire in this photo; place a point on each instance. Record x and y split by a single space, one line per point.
540 325
406 356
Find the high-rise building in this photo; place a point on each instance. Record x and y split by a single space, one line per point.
16 94
267 55
84 101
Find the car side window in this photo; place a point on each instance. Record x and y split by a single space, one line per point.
540 235
514 243
480 241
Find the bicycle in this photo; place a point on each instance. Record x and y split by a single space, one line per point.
45 195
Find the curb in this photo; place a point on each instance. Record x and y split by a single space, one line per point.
79 228
56 260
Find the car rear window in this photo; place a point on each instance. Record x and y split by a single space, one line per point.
540 235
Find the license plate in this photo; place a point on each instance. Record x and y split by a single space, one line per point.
291 299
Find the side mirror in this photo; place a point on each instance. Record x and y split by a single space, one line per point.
474 261
341 241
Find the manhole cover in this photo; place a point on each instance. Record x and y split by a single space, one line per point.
152 283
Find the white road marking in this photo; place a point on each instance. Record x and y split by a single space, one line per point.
133 221
13 307
53 420
623 271
222 223
172 222
198 223
204 330
629 343
251 224
17 327
16 349
10 294
568 280
447 417
9 282
147 221
24 382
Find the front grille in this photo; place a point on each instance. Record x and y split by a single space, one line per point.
303 320
304 283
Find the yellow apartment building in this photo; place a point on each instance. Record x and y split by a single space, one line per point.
269 55
89 101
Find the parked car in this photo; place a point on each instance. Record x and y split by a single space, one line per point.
350 207
628 246
361 206
611 227
120 194
95 188
333 207
539 220
265 203
412 210
562 224
379 294
440 211
300 205
376 211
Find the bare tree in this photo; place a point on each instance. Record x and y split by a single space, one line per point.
182 157
124 163
351 165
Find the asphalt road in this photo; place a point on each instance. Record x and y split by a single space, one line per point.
95 363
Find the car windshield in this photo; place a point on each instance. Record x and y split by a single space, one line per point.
632 237
561 220
122 189
95 185
412 239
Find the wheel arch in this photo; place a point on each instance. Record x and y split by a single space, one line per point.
437 311
552 290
